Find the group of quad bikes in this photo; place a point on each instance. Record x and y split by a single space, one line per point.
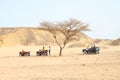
38 53
91 49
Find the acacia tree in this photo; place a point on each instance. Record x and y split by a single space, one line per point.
69 29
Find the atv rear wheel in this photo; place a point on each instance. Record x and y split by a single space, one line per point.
20 54
28 54
84 52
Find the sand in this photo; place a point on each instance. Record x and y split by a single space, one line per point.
73 65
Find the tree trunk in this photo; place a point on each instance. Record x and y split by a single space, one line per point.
60 53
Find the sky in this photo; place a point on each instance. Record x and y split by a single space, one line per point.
102 16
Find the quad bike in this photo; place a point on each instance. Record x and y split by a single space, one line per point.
91 49
42 53
24 53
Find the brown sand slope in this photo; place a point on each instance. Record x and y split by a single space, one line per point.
116 42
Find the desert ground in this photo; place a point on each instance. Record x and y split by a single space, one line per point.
72 65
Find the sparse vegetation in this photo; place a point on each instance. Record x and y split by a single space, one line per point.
69 29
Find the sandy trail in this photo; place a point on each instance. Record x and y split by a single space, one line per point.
71 66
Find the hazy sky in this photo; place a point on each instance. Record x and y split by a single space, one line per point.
103 16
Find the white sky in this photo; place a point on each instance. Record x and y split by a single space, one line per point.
103 16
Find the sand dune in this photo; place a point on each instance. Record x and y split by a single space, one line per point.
36 37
